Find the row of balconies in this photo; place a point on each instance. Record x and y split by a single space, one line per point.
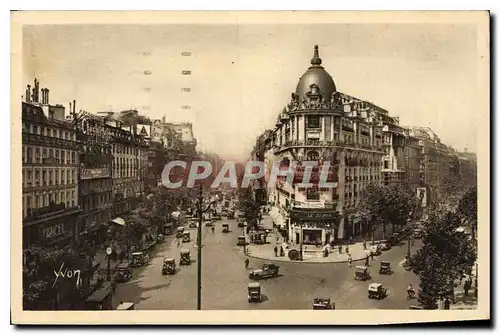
36 139
44 185
318 144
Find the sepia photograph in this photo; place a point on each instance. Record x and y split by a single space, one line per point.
250 167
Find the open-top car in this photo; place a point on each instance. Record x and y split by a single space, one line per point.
225 228
209 223
323 303
266 271
376 291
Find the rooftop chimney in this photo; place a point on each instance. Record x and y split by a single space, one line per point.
74 104
36 91
70 110
28 93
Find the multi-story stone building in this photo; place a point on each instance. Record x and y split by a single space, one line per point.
413 157
50 171
95 182
321 124
127 171
157 158
394 169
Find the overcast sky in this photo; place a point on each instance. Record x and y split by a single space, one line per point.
242 76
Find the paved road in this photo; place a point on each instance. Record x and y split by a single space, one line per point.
225 280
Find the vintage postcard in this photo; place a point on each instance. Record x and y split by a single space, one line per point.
250 167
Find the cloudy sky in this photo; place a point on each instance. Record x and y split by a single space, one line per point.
243 75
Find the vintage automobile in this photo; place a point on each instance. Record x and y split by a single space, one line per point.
125 306
230 215
185 257
216 217
384 245
417 233
193 223
186 237
168 266
160 238
375 249
385 268
180 231
209 223
394 238
241 241
376 291
101 299
254 292
225 228
139 259
266 271
323 303
241 222
123 273
361 273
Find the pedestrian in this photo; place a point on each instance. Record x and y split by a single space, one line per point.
282 251
350 240
364 245
178 242
213 229
347 249
446 303
340 249
246 263
367 261
373 255
113 286
275 251
467 286
349 260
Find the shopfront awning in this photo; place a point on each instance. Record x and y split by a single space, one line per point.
119 221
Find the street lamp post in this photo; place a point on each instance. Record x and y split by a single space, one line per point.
199 241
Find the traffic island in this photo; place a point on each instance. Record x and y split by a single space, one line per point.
311 254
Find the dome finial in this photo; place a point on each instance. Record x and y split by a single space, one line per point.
316 60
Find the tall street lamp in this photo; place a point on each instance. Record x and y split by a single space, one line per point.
199 239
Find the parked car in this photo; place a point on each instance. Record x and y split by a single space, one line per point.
384 245
417 233
375 249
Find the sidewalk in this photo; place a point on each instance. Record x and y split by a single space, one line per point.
311 254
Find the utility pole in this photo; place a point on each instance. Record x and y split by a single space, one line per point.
200 219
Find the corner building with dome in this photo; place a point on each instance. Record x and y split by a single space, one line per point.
322 124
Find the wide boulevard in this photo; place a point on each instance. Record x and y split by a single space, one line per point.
224 279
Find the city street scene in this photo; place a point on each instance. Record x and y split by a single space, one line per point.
325 166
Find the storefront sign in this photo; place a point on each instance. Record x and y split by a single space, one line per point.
52 231
94 173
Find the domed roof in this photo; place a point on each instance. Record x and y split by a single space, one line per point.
316 74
